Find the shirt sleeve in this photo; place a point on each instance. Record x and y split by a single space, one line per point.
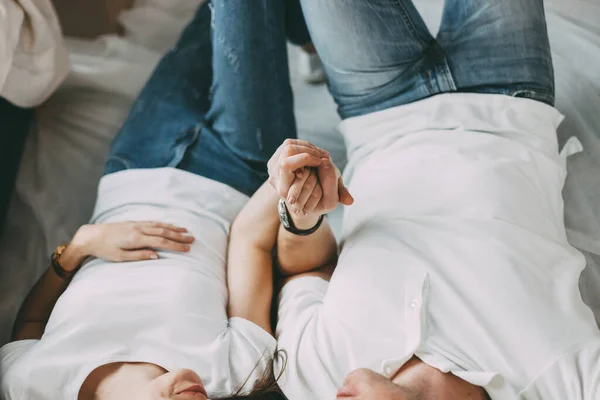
252 352
299 327
12 384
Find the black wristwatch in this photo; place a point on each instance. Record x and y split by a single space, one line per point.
288 223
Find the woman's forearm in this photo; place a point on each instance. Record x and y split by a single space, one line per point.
115 242
37 307
300 254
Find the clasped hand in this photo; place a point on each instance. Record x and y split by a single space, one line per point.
307 179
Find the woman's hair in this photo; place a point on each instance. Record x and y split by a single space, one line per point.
266 387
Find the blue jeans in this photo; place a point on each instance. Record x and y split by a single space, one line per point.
220 102
379 53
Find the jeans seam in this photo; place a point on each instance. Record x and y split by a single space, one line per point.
532 94
124 162
408 22
190 137
443 68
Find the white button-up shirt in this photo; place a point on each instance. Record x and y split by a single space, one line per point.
455 251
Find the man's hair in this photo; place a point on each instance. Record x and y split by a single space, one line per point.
265 388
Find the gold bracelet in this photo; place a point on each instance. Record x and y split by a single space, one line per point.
58 269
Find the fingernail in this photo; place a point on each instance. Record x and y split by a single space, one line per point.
292 200
326 163
305 214
154 256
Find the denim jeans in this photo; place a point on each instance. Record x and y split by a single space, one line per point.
219 103
379 53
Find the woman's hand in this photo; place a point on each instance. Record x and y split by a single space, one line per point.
130 241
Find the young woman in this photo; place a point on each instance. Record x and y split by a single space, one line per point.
132 309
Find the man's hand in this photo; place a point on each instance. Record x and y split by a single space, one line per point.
127 241
307 191
291 156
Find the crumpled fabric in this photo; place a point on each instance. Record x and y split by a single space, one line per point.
33 58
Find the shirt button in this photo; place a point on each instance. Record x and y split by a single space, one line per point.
414 303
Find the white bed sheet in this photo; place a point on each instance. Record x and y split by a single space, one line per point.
66 150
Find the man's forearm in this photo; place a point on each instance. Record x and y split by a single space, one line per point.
299 254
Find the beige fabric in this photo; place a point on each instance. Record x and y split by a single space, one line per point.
91 18
33 59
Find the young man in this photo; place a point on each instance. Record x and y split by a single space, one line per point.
455 279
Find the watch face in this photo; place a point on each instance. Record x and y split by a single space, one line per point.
283 213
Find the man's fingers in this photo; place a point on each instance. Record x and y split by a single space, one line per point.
302 143
286 178
292 155
287 168
168 233
298 144
299 149
299 161
297 185
344 194
329 185
307 190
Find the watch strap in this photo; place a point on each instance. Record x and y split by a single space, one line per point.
288 223
58 269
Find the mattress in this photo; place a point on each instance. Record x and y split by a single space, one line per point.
68 145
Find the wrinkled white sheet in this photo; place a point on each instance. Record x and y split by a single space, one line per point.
65 153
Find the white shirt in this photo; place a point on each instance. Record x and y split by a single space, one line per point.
455 251
33 59
170 312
